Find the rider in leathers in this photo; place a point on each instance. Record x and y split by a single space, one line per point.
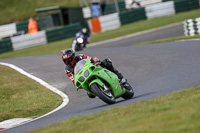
70 60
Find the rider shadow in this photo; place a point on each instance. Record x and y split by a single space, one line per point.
123 100
135 97
142 95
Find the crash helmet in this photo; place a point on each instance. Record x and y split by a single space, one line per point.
84 30
68 57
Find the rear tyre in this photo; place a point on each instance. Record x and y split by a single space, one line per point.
104 95
84 45
129 91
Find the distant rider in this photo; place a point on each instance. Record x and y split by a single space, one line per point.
70 61
85 32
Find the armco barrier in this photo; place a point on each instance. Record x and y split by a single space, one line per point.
23 26
194 4
110 8
5 46
142 3
181 5
130 16
185 5
63 32
161 9
7 30
28 40
109 22
192 27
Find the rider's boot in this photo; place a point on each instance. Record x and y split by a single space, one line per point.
121 78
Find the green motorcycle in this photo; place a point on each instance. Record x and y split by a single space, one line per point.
100 82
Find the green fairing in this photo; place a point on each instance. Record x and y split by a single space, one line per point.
103 75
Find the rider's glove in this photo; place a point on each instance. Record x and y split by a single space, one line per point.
92 61
97 62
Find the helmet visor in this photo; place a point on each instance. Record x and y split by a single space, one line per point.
68 61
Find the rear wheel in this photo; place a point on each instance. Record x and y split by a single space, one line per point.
104 94
129 91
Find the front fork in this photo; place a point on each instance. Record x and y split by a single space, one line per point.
100 83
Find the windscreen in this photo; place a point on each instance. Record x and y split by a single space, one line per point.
79 66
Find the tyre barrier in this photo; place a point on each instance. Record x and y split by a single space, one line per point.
192 27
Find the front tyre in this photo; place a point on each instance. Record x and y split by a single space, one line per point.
104 95
129 91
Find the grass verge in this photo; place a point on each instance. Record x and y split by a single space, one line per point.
15 11
177 112
56 47
22 97
169 40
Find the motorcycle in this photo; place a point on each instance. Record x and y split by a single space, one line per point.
100 82
78 42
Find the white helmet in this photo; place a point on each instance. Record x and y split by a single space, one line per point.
84 30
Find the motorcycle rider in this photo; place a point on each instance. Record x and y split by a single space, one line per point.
70 59
86 35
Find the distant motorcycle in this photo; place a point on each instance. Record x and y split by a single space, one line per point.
78 42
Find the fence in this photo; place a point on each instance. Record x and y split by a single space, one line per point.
109 22
186 5
28 40
192 27
130 16
111 8
63 32
5 45
161 9
7 30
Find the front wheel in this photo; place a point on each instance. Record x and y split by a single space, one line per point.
103 94
129 91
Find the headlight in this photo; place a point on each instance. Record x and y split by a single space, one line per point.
86 73
80 40
81 79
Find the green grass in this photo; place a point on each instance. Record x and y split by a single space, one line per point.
21 97
56 47
169 40
177 112
22 10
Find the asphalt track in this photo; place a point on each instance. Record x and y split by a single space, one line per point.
153 70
